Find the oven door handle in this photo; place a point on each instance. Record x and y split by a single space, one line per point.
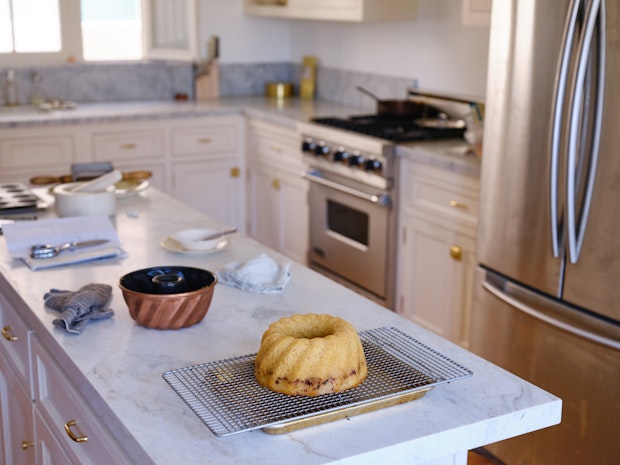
314 176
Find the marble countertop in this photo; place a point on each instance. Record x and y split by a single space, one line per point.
452 154
118 365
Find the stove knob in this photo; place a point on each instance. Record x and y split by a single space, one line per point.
356 159
341 155
373 165
307 146
321 150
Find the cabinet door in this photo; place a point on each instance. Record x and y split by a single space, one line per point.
16 416
215 187
170 29
48 449
293 206
14 344
263 206
336 10
25 153
435 273
72 422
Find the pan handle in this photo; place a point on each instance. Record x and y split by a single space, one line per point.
369 93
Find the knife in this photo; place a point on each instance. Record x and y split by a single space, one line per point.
49 251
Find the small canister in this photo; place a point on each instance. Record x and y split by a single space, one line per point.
279 90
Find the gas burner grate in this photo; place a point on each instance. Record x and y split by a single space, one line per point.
226 397
394 129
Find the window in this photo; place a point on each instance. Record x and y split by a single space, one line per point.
18 26
95 30
112 30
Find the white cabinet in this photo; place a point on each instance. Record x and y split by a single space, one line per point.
207 164
25 152
44 419
132 147
436 257
48 450
477 12
200 160
16 408
72 425
16 419
333 10
277 194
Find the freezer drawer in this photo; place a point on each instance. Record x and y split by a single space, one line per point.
562 350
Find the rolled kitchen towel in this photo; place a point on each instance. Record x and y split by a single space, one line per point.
260 274
77 308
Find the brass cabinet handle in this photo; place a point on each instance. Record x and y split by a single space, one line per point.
7 334
235 172
456 252
80 437
205 140
128 146
276 184
457 204
276 148
27 445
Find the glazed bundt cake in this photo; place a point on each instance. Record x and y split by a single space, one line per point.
310 355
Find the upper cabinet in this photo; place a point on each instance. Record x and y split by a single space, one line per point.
333 10
477 12
170 29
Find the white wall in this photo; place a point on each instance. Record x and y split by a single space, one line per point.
434 48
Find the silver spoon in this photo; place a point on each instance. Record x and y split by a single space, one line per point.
218 234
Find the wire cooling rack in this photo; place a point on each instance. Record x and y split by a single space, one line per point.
227 398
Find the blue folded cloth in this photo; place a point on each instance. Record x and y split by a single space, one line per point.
77 308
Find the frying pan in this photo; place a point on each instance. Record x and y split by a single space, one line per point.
396 107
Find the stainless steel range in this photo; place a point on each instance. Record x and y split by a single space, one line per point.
353 197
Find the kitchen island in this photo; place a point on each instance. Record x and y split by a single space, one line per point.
116 366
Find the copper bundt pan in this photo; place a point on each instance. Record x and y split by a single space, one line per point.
169 297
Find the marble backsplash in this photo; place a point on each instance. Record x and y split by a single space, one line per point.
114 82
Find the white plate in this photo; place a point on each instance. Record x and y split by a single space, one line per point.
170 244
126 189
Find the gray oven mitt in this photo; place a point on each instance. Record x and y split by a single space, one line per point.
78 308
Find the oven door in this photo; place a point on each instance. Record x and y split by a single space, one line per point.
349 230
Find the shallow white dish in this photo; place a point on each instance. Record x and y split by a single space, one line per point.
193 239
170 244
124 189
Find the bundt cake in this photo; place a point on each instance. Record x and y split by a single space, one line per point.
310 355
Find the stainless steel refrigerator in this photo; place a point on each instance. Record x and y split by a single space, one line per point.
547 297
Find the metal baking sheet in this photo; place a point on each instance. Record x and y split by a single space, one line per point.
226 397
17 197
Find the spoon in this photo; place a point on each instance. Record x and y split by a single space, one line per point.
218 234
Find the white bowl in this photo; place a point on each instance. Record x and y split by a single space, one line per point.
70 203
191 239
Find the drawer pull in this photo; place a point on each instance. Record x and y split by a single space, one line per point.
7 334
276 184
276 149
456 252
128 146
457 204
235 172
27 445
205 140
77 438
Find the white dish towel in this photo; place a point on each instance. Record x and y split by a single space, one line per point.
260 274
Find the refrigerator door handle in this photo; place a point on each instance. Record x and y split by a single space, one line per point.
514 297
595 23
561 83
